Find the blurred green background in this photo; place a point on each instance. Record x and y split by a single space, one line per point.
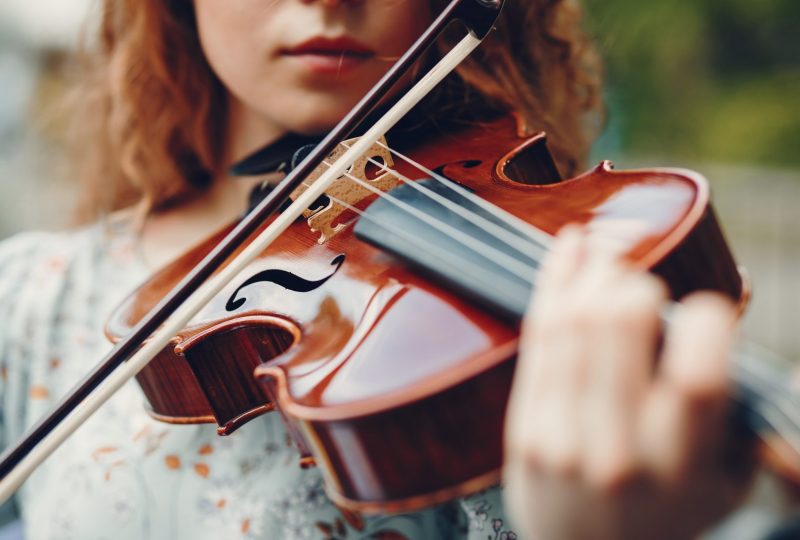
714 85
701 80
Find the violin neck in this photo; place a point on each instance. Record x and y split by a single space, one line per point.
499 278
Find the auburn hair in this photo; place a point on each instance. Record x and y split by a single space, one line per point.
150 111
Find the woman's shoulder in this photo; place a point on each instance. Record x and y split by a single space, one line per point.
38 268
35 269
23 246
112 238
25 254
27 245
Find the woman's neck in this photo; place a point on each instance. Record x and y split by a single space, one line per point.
166 234
247 131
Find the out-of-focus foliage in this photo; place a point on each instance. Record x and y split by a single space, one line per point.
702 79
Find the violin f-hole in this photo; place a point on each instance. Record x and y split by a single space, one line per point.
288 280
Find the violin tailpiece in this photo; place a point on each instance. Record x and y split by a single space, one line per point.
346 189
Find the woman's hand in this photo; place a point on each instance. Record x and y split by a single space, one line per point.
609 435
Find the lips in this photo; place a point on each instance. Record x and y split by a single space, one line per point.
330 56
331 47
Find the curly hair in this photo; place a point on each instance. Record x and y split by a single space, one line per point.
151 112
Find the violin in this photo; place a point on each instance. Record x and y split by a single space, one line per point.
378 313
387 340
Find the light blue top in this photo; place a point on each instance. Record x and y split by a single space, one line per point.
125 476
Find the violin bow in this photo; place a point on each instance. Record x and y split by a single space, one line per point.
175 310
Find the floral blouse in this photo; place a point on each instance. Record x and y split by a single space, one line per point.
124 475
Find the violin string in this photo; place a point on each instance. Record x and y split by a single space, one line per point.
514 265
427 246
535 234
767 385
524 244
776 418
757 374
786 430
783 417
783 424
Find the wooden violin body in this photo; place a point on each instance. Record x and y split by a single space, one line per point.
394 385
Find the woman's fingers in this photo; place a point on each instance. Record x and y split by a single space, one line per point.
698 345
624 339
574 399
546 380
565 258
687 406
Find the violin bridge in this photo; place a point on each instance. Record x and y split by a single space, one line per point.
348 188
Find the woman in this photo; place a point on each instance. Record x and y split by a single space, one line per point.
174 92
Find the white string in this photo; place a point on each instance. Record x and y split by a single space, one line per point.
522 245
429 247
515 266
537 235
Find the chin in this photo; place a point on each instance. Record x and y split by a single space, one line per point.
315 120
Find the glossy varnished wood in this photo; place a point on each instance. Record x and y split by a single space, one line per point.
395 386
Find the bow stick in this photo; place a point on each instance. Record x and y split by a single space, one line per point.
129 356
